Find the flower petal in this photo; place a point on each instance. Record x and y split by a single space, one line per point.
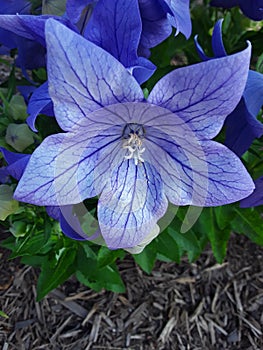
256 198
217 40
224 3
131 204
155 26
74 8
252 9
241 129
83 77
202 173
253 93
17 162
70 224
180 16
205 93
15 6
40 102
116 27
27 26
68 168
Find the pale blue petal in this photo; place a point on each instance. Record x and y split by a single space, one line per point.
180 17
202 173
253 93
131 204
83 77
27 26
68 168
204 94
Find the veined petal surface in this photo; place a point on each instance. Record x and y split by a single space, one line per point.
68 168
131 204
205 93
83 77
201 173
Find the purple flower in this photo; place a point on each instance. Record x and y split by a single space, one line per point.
31 54
135 154
17 163
15 6
242 126
116 26
157 17
4 175
252 9
256 198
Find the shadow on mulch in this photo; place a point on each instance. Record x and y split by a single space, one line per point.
186 307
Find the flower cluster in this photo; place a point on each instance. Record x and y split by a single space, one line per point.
134 150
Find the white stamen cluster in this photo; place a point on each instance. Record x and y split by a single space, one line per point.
134 145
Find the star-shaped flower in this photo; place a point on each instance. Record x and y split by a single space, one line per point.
136 155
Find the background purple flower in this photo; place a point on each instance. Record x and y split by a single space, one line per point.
242 126
251 8
256 198
31 54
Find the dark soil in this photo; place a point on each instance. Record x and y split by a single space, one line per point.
186 307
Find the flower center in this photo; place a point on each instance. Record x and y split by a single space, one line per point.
132 141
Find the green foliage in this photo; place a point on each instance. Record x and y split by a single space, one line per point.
250 223
146 259
2 314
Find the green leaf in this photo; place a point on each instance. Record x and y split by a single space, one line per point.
9 243
146 259
187 242
224 215
217 237
167 246
107 256
259 65
19 136
89 273
53 7
18 228
29 245
2 314
97 279
7 204
33 260
249 222
17 108
52 276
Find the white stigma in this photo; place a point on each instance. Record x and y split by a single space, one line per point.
134 145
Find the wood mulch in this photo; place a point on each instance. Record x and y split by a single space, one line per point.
195 306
